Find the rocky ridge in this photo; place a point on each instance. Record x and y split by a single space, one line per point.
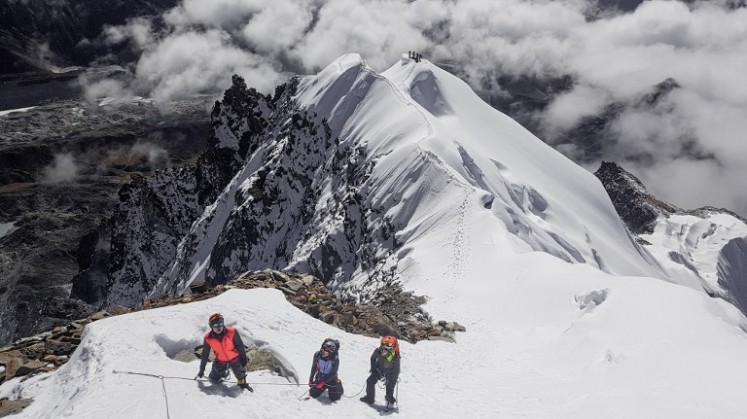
636 206
275 189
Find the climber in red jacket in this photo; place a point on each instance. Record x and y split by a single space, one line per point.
229 350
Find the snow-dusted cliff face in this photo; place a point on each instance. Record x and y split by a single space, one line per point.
707 244
362 179
274 189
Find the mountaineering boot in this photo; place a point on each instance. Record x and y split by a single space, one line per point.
242 383
368 400
390 399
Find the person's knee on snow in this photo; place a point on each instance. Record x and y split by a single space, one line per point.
324 366
315 392
335 391
218 372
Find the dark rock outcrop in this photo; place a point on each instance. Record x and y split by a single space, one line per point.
637 208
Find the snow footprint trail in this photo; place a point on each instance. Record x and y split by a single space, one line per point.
461 249
459 241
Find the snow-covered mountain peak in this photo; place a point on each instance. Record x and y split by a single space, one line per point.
438 120
343 173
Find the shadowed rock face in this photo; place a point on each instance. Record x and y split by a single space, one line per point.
61 167
637 208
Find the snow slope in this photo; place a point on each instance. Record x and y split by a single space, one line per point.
709 245
566 316
646 348
453 170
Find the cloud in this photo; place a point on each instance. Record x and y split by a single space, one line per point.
567 109
62 169
192 63
139 30
216 13
101 88
381 30
612 58
261 32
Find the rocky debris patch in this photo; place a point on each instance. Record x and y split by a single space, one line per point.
392 311
11 407
44 352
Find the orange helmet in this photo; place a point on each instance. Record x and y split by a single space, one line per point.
388 341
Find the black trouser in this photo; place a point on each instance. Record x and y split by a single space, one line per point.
218 372
335 390
371 387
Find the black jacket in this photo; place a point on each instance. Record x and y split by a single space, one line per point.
383 367
317 376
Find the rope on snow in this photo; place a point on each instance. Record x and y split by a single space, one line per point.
198 379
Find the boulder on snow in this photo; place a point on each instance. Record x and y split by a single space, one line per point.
265 359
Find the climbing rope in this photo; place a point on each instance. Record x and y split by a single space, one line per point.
199 379
356 394
165 397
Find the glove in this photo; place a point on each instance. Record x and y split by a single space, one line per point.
320 385
311 384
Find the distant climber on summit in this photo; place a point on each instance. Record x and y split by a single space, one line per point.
324 368
229 350
384 367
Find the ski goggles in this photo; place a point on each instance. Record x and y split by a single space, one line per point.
217 325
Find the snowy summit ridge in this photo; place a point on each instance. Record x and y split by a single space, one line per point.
364 179
342 173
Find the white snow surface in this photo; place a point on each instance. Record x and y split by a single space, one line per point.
566 316
638 348
697 240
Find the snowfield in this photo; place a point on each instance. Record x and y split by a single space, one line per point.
638 348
